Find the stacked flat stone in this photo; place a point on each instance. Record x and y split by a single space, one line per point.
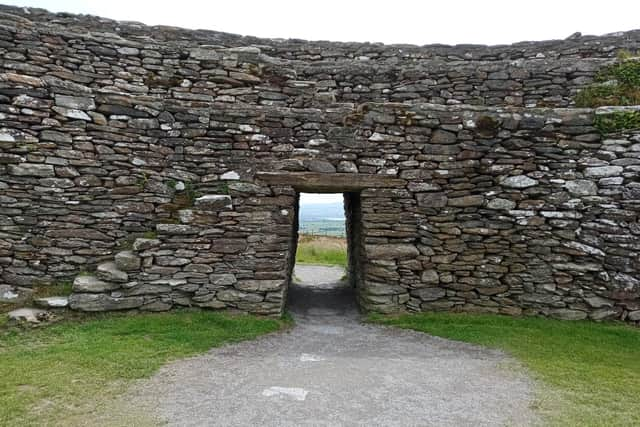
167 162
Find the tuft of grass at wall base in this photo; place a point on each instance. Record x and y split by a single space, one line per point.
57 372
590 371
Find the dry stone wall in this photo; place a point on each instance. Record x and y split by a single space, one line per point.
163 165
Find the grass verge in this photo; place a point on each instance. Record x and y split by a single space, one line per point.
593 368
322 250
54 372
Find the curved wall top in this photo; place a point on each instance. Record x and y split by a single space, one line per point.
168 161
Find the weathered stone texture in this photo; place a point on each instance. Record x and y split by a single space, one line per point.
169 162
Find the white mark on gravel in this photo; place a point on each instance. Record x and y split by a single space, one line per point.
327 330
292 392
304 357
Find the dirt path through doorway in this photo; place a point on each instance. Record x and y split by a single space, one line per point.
333 370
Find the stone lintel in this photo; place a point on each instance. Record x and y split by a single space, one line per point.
330 182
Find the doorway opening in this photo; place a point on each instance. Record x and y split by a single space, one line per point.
325 271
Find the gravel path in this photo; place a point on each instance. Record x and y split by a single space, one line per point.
333 370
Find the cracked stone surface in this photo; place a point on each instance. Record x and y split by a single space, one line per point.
332 370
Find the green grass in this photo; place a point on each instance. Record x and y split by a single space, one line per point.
318 252
55 372
591 370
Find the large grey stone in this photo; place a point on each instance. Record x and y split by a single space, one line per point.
15 135
598 302
92 284
603 171
109 271
72 113
204 53
431 200
429 294
443 137
141 244
518 181
430 277
581 187
127 261
102 302
391 251
31 169
568 314
75 102
501 204
213 202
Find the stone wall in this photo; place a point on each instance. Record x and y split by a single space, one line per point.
171 168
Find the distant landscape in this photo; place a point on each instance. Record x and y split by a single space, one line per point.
324 219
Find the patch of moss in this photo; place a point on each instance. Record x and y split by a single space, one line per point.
142 181
223 188
172 183
55 289
127 243
617 121
356 116
616 84
150 235
487 126
158 81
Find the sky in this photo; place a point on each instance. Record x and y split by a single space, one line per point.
316 198
410 21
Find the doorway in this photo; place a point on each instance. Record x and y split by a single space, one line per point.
327 252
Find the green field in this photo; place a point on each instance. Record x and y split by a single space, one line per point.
322 250
59 372
590 372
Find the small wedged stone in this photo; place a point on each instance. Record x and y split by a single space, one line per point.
430 277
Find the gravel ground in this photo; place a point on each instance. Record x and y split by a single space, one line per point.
333 370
